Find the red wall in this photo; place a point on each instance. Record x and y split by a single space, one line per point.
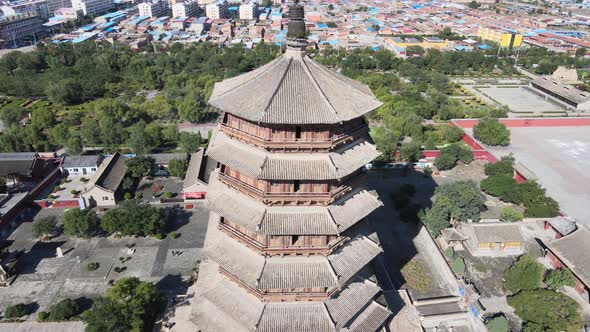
430 153
539 122
65 204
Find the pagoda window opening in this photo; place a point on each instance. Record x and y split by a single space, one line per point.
298 132
294 239
296 186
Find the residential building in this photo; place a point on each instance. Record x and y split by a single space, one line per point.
199 25
560 226
217 10
570 252
103 189
288 245
92 7
567 95
195 182
39 7
80 165
504 38
185 9
53 5
153 9
493 238
68 14
19 166
16 28
248 10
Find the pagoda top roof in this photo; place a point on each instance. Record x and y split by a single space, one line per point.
293 89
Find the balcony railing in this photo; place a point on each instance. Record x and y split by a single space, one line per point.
294 145
279 296
290 250
297 197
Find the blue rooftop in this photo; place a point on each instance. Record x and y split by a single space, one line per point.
484 47
322 25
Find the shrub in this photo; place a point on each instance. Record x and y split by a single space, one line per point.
63 181
42 316
15 311
525 274
410 151
172 235
504 167
449 252
93 266
127 196
445 162
51 196
63 310
450 155
168 194
546 310
491 132
427 171
510 214
537 204
451 134
560 277
83 179
80 223
503 187
46 226
458 266
416 276
497 324
74 192
159 236
56 188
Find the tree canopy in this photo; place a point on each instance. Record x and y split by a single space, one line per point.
490 131
546 310
525 274
130 305
80 223
132 217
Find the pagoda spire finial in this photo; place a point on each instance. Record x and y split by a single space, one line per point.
296 32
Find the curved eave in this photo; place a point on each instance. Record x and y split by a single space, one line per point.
261 164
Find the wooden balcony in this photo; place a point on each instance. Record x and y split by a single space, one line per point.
295 145
268 296
281 251
294 198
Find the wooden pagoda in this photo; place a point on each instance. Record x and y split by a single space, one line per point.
288 247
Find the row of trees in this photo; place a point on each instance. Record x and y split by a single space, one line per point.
500 183
541 309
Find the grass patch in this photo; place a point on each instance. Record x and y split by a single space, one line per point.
416 275
481 267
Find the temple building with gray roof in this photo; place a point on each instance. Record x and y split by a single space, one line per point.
288 246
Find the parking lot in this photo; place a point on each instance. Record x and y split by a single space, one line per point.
45 278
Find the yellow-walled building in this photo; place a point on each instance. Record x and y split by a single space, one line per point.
501 37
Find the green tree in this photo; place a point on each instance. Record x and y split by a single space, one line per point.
457 201
64 91
450 134
498 324
170 134
11 115
510 214
44 227
414 50
502 186
63 310
139 166
525 274
42 118
502 167
130 305
190 143
492 132
177 167
546 310
581 51
385 141
474 4
142 139
560 277
537 204
445 162
451 154
132 217
16 311
411 151
74 145
80 223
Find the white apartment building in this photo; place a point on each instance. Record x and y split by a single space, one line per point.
185 9
153 9
217 10
39 7
69 14
54 5
248 10
92 7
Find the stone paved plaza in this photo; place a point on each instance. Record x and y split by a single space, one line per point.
520 99
45 278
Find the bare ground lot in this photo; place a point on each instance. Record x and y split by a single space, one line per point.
45 278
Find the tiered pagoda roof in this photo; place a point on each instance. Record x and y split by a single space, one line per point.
261 164
275 220
288 247
294 89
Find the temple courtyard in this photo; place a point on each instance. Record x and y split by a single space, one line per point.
44 278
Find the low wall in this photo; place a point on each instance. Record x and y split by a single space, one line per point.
61 204
530 122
